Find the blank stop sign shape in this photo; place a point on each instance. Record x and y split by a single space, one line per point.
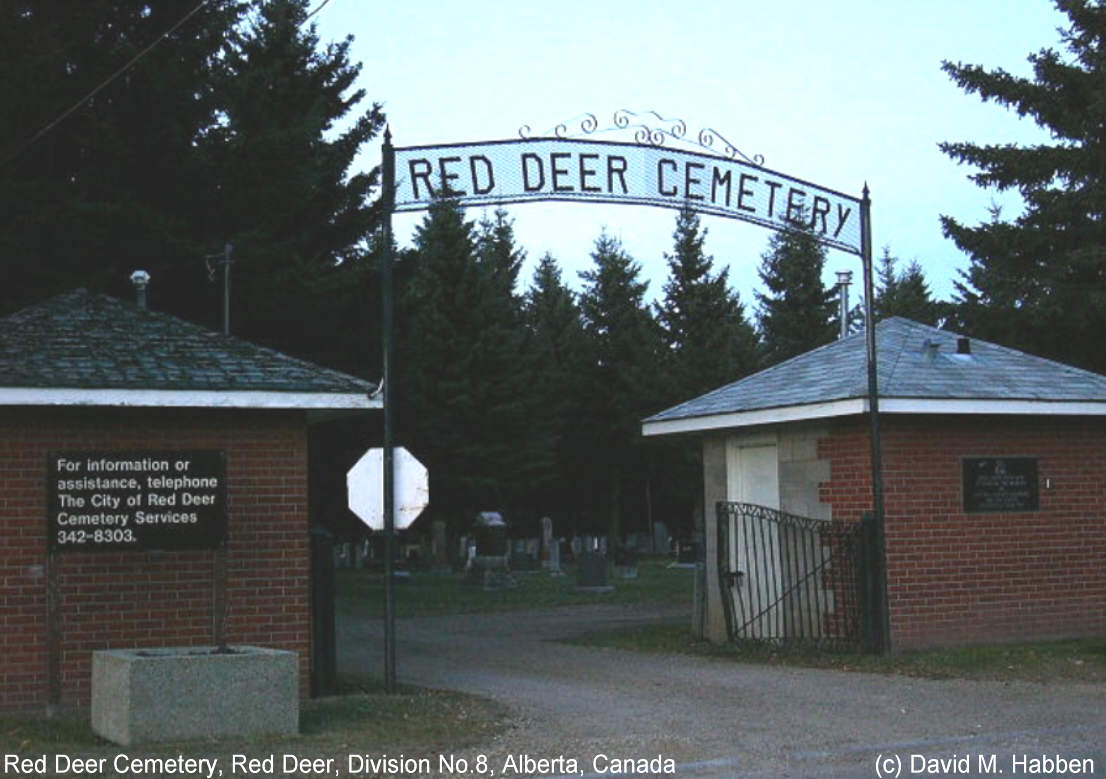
365 484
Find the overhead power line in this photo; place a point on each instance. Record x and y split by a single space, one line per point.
318 8
61 117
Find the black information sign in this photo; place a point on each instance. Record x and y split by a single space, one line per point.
996 484
136 500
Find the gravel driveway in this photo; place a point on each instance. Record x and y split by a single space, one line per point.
715 718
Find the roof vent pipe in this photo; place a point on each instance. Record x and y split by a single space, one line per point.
963 345
140 279
929 350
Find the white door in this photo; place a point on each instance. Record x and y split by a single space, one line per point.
753 477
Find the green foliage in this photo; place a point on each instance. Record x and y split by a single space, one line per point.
796 313
461 398
555 347
903 293
1038 282
708 342
619 385
283 192
223 132
120 183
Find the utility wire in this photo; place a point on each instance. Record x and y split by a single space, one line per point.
318 8
51 125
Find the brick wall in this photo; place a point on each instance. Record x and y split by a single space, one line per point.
147 598
957 578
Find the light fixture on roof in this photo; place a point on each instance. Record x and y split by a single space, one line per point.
140 279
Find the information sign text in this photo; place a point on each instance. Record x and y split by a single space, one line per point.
136 500
996 484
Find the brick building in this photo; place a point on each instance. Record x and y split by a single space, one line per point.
994 467
84 373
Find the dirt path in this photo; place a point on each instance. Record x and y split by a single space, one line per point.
719 719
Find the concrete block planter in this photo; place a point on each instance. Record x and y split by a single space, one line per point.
173 694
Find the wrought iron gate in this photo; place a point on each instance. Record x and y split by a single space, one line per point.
786 578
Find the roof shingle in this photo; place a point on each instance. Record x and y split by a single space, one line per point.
91 341
908 368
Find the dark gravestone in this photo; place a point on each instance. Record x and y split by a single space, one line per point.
591 573
489 565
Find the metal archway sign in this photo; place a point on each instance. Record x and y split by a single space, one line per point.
593 171
555 167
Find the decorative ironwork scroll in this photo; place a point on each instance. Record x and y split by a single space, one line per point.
655 131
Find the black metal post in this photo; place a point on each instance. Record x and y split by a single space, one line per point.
883 619
386 304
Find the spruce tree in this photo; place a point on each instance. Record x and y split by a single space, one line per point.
708 342
100 175
1038 281
287 198
460 392
796 312
555 351
620 384
904 293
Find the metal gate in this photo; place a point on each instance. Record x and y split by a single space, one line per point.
786 578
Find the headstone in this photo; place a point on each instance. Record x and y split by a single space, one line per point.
343 555
591 573
660 538
361 554
489 564
625 562
439 551
546 539
550 547
553 563
577 545
687 554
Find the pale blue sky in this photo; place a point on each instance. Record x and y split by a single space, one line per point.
837 93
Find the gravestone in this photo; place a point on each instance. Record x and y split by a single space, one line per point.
489 565
439 549
550 548
625 562
660 538
591 573
521 559
546 540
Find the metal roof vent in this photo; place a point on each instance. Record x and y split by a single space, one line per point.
140 279
929 350
963 345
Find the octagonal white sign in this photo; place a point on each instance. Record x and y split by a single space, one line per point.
365 484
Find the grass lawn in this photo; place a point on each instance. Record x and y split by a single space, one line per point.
1055 661
427 593
363 720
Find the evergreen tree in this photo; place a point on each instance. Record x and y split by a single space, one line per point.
621 376
222 132
904 293
119 182
1038 282
796 313
497 251
708 342
556 350
460 397
286 199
